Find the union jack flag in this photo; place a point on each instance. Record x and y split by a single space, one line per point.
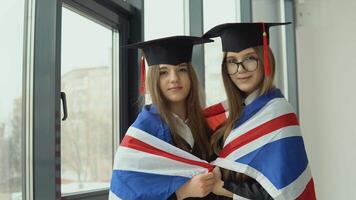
147 166
266 145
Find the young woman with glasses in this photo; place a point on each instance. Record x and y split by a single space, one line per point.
260 152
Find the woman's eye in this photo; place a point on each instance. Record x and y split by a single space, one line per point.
163 73
251 58
183 69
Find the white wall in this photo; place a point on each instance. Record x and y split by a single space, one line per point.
326 39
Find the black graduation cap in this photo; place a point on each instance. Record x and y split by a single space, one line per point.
169 50
239 36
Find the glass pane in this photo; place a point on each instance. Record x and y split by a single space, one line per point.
269 11
155 16
165 18
11 62
86 142
216 13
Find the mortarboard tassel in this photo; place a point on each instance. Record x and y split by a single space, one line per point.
143 75
265 52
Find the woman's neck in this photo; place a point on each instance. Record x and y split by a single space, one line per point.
252 96
179 109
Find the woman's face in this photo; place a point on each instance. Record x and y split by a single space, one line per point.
174 82
249 77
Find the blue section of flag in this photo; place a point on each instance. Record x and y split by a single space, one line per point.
134 185
281 161
252 108
129 185
150 121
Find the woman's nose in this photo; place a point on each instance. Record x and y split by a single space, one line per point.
173 77
240 68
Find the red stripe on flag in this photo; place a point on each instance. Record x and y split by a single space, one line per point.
309 192
216 121
214 110
134 143
265 128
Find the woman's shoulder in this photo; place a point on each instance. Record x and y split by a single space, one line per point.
148 118
281 104
148 113
149 121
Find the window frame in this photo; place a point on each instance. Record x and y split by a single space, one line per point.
122 16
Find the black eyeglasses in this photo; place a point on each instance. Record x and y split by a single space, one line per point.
249 64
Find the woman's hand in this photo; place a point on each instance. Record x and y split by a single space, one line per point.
217 173
217 189
199 186
218 186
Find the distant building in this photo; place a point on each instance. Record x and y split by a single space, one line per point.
86 136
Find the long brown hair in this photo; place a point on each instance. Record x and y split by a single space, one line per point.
195 116
236 98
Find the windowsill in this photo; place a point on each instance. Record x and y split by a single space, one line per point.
98 194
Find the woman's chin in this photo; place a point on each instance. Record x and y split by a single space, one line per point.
245 89
176 98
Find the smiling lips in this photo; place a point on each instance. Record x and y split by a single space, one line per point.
176 88
243 78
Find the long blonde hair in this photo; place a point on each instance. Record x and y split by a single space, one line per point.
195 116
236 98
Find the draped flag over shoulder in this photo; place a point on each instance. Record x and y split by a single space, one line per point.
266 145
147 166
216 115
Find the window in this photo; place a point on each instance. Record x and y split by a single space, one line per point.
216 12
270 11
87 134
166 18
163 19
11 100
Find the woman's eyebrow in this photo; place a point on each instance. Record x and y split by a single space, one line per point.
247 54
231 58
251 53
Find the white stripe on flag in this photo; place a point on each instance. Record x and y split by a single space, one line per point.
274 108
250 171
292 191
112 196
296 188
134 160
285 132
160 144
237 197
